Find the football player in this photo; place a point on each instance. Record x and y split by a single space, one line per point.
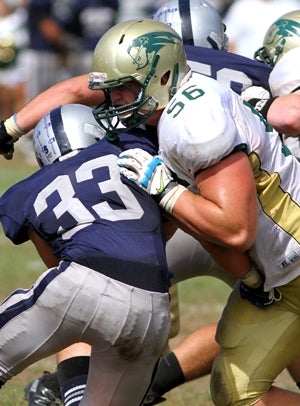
214 143
110 288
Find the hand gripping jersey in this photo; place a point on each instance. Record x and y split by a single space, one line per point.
205 122
91 216
235 71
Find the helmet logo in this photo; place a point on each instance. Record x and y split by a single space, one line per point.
282 29
145 47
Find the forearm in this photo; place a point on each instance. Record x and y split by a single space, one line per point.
74 90
43 249
235 262
287 123
215 224
225 211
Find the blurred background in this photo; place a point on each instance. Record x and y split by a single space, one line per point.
44 41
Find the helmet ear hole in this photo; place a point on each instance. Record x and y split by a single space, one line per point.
122 39
165 78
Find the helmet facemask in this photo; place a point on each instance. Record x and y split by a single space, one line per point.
131 115
282 36
270 57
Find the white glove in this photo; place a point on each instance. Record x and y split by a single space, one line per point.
152 175
255 92
147 171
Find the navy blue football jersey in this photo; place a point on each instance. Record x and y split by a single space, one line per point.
236 71
89 214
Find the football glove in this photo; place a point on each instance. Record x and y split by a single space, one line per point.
147 171
152 175
259 98
258 296
255 92
6 142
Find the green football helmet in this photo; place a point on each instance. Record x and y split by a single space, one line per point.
140 51
282 36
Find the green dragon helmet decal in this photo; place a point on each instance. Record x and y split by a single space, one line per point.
282 36
140 51
145 47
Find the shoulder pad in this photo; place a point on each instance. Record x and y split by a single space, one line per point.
285 78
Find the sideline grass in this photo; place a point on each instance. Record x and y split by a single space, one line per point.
201 302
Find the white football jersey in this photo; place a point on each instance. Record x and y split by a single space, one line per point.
203 123
285 78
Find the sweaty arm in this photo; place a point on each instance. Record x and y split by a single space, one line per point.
224 215
225 211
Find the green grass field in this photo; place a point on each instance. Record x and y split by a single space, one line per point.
201 302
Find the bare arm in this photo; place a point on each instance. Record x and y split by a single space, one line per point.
73 90
44 250
225 212
284 114
223 217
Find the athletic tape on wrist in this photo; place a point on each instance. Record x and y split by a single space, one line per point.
168 201
12 127
252 278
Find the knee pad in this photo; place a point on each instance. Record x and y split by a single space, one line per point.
220 384
174 311
230 386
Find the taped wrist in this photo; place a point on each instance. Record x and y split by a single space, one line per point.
169 196
12 127
253 278
262 105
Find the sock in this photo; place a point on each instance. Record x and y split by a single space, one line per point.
72 376
169 375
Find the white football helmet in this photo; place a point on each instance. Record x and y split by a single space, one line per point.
282 36
65 129
140 51
196 21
